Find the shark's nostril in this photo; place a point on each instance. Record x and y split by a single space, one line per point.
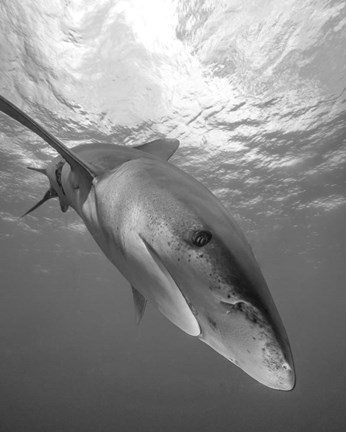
240 306
243 307
234 306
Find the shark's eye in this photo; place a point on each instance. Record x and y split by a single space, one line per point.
201 238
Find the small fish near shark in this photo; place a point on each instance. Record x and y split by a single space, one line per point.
173 240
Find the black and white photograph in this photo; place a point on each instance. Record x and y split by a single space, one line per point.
172 215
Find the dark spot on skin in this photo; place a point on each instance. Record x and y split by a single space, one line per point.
201 238
211 322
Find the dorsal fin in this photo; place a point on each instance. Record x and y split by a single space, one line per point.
12 111
140 302
163 148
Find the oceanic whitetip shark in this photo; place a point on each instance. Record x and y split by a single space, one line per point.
175 243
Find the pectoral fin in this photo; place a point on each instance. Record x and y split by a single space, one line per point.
163 148
163 291
71 158
140 303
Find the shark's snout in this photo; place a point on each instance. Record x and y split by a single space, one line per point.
250 339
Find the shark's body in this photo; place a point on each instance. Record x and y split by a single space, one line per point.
177 246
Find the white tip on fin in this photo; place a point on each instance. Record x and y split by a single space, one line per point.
162 148
140 304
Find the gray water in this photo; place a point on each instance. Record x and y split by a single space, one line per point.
255 92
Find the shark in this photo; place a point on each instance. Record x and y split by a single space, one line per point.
175 243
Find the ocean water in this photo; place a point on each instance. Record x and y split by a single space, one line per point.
255 92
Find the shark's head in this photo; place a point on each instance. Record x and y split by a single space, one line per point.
208 257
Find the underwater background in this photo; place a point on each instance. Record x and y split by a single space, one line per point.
255 92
